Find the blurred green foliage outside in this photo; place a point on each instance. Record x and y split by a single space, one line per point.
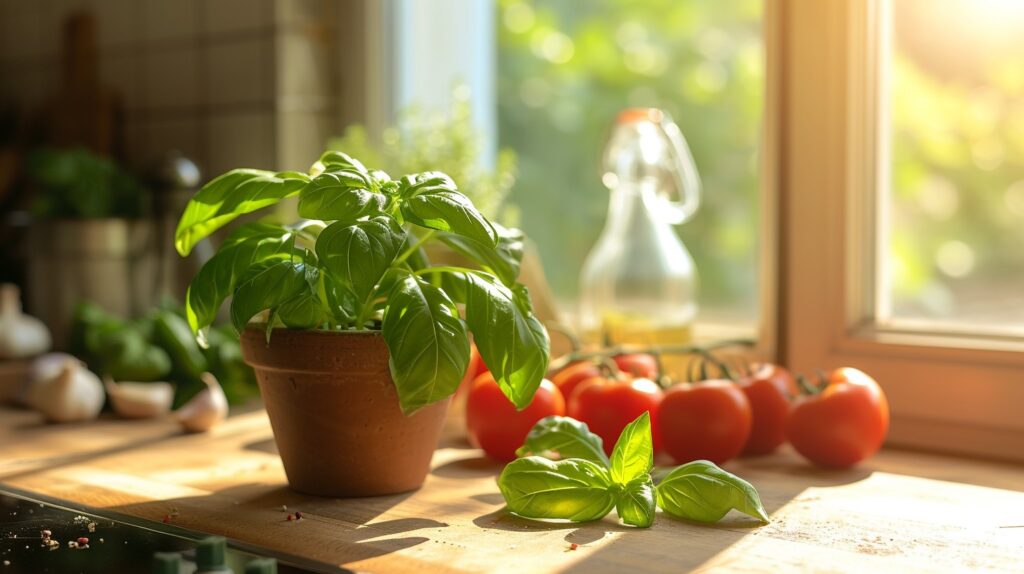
565 70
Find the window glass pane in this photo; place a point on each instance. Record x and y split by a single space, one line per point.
566 69
955 206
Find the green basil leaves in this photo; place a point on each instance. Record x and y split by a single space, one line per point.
511 341
702 492
431 366
565 437
357 262
237 192
584 484
358 253
572 489
581 489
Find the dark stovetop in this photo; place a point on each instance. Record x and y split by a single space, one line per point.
117 545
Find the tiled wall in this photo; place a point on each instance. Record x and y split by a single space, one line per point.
228 82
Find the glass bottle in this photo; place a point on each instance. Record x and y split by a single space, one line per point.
639 283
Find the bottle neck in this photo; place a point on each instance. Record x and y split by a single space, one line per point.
632 207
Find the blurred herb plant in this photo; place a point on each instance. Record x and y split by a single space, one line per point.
446 142
78 184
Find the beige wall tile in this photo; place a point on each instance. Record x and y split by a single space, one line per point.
179 133
27 85
304 78
119 22
239 72
21 7
19 36
171 78
240 140
302 137
121 73
51 28
136 143
220 16
169 19
302 12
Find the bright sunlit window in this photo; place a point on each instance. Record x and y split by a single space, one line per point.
955 204
565 70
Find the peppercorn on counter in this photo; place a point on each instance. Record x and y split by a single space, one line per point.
903 512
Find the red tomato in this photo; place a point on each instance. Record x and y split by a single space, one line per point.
844 423
770 390
573 374
639 365
706 420
607 406
474 369
496 426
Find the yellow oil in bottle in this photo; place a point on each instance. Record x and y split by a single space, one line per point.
631 332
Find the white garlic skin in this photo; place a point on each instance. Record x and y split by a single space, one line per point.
206 410
74 394
21 335
133 400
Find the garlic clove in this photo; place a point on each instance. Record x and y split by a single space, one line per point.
43 369
21 335
207 409
133 400
73 394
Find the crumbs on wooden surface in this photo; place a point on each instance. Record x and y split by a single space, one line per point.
573 546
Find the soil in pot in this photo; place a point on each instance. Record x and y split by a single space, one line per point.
335 415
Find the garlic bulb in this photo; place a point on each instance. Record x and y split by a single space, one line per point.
20 335
72 394
207 409
139 400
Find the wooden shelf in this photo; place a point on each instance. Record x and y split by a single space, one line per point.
902 512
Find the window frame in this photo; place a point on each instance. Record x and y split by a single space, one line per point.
947 391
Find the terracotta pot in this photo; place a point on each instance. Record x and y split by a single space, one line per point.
335 414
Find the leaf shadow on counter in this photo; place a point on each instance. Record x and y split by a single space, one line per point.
331 531
469 467
672 544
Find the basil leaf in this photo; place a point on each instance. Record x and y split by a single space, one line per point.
341 196
269 285
232 194
431 200
305 311
337 161
633 456
573 489
511 341
428 343
567 437
702 492
249 244
425 182
635 502
341 303
502 259
358 253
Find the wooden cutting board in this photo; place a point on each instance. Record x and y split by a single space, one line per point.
903 512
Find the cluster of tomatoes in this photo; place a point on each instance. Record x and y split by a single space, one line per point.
836 421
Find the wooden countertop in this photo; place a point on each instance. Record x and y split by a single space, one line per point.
902 512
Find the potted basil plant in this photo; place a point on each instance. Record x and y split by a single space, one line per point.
357 340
